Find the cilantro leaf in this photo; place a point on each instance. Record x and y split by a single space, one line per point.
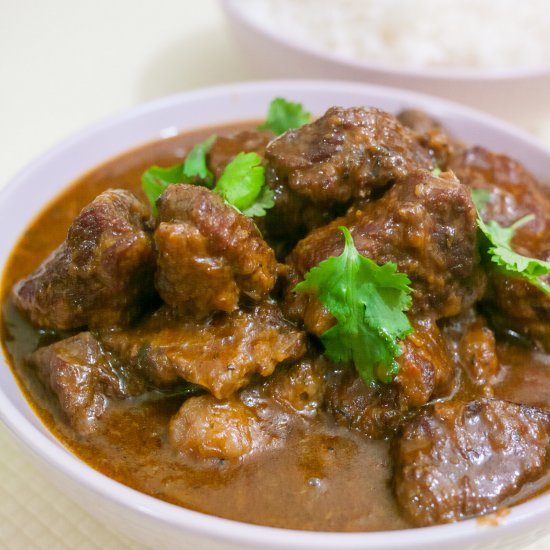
283 115
242 185
192 170
480 198
263 202
368 302
195 165
155 180
499 250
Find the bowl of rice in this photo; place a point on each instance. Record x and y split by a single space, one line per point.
491 54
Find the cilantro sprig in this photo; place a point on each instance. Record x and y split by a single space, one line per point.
499 251
241 184
283 115
481 198
368 302
192 170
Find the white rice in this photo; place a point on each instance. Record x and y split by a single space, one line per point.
494 34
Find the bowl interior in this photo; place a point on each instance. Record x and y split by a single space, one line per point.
24 196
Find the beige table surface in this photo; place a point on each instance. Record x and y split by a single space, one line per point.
65 64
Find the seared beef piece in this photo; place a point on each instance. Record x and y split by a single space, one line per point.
208 428
473 348
419 121
455 460
425 224
513 304
517 306
220 354
426 371
226 148
256 419
294 215
209 254
84 377
345 154
297 389
514 193
433 136
102 274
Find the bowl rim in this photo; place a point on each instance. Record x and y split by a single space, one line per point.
54 453
236 9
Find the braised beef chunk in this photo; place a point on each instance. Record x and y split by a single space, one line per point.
294 215
226 148
433 136
84 377
514 193
102 274
426 225
345 154
209 254
220 353
456 460
473 347
256 419
517 306
298 388
513 304
426 371
209 428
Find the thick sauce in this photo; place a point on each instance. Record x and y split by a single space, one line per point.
325 479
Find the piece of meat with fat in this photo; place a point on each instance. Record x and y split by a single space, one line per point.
472 345
209 255
512 303
101 276
255 420
458 460
514 193
346 154
433 136
425 224
220 353
226 148
84 378
517 307
316 171
426 372
206 427
294 215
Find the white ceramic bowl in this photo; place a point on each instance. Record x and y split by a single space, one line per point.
155 522
517 95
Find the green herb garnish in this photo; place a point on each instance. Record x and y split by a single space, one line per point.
499 251
480 198
368 302
242 185
283 115
195 167
192 170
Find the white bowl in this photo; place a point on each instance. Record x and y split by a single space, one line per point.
153 521
517 95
